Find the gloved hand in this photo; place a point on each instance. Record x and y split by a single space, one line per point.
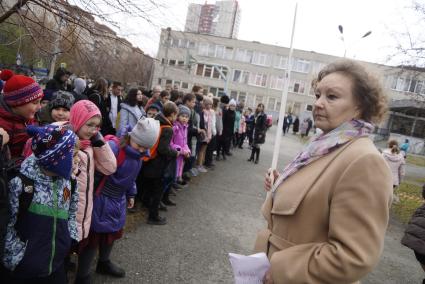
97 140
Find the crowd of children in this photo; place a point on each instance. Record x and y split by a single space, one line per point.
75 162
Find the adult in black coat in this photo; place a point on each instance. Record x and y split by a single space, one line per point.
154 169
285 124
98 94
229 115
59 80
414 237
296 126
260 129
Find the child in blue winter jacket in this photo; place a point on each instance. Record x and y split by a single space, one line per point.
113 195
43 204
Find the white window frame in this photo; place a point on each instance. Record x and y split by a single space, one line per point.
203 49
277 82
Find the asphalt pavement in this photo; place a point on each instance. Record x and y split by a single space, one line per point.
220 213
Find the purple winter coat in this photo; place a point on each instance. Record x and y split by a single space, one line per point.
110 206
179 142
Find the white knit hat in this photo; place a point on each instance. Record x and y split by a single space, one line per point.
145 133
232 102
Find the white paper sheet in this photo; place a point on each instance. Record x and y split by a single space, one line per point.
249 269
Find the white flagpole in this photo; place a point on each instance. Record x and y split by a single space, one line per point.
283 99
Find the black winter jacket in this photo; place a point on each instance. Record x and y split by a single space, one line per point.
155 168
260 128
414 237
228 122
102 104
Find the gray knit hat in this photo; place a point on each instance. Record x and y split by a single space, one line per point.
184 110
145 133
61 99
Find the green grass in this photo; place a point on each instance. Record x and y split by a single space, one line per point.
420 180
410 199
416 160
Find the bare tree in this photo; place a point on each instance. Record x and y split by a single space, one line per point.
68 30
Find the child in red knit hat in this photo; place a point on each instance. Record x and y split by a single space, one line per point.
18 105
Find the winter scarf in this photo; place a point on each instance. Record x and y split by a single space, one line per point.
323 145
80 113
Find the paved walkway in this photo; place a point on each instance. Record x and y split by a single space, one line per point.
220 213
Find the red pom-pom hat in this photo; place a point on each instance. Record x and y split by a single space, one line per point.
18 89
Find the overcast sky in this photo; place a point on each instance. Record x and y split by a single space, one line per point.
270 21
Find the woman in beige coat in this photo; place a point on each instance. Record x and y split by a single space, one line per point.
327 212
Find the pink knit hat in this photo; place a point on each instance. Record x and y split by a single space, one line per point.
81 112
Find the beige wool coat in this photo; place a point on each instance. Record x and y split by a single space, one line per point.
327 222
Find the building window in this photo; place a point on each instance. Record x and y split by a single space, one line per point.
159 81
183 43
229 53
217 92
208 71
185 85
258 100
258 79
297 86
180 63
234 95
249 100
203 49
174 42
244 55
191 44
276 82
242 97
200 70
248 56
219 52
280 62
300 65
237 75
407 85
261 58
271 103
211 71
211 50
240 54
168 82
245 77
172 62
309 108
163 61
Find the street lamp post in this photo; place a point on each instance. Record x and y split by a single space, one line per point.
341 31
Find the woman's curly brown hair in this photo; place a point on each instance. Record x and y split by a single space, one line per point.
367 88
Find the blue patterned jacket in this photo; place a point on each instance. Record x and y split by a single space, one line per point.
38 242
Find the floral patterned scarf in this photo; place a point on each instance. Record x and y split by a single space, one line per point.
323 145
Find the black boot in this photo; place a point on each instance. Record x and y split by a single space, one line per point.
251 159
166 199
108 268
257 155
158 220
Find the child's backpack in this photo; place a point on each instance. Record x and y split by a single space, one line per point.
100 179
154 150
